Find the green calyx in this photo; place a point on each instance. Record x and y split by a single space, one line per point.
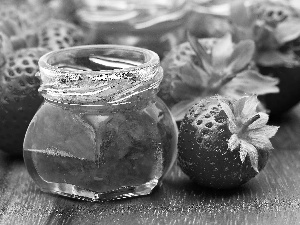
249 129
273 25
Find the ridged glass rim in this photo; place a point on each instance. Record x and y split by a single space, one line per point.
79 87
154 58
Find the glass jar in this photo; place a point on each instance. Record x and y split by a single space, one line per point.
157 25
101 133
209 18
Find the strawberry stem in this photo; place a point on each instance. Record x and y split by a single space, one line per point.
248 123
216 86
227 79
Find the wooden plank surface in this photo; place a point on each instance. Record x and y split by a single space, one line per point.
273 197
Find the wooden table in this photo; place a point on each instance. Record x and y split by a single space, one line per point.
273 197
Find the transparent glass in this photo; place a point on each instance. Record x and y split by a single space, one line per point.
209 18
101 133
157 25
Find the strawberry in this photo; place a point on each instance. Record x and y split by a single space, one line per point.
272 12
57 34
275 28
223 143
11 19
32 26
209 66
19 22
19 98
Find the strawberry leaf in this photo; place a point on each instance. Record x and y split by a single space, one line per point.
6 47
261 142
288 30
241 56
250 82
180 90
233 142
221 52
200 51
180 109
227 111
249 149
193 75
243 151
276 58
263 35
249 110
262 121
231 117
268 131
239 106
241 33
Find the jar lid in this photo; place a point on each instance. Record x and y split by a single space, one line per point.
106 74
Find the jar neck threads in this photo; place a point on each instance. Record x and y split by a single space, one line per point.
102 74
